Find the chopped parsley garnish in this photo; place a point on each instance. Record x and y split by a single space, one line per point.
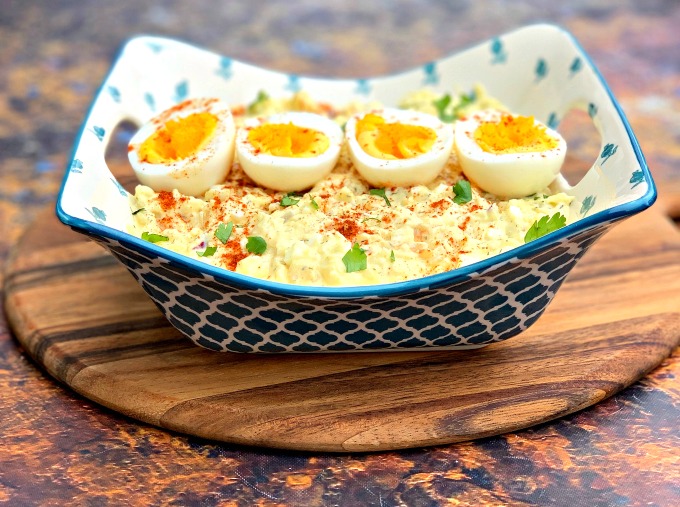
223 231
355 259
465 100
392 257
256 245
153 238
462 192
209 251
289 199
380 192
545 225
135 212
261 98
371 218
443 103
314 203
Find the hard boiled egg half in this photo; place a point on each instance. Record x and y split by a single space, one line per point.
189 147
289 151
397 147
507 155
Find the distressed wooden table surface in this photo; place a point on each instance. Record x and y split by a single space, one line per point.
58 448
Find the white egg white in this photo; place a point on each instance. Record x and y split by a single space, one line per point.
289 174
418 170
510 175
195 174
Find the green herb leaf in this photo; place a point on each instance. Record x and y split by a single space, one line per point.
255 106
443 103
545 225
463 102
440 105
289 199
381 193
355 259
314 203
256 245
223 232
153 238
392 257
462 192
209 251
135 212
371 218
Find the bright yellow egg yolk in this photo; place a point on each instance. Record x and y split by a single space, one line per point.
178 139
391 141
513 134
288 140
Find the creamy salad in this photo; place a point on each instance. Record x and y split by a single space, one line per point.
342 231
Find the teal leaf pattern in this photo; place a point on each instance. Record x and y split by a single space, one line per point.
592 110
77 166
114 92
587 204
363 87
155 47
150 101
541 69
97 214
293 83
120 188
498 54
608 151
431 76
181 91
636 178
576 66
99 132
224 70
553 121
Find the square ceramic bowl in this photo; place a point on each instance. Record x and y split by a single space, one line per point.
538 70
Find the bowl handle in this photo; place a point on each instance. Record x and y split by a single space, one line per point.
90 191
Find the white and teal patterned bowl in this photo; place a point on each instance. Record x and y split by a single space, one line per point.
539 70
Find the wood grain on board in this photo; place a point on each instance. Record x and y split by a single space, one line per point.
86 321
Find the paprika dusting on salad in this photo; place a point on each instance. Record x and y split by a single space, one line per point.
342 230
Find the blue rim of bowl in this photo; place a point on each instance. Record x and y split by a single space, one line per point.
447 278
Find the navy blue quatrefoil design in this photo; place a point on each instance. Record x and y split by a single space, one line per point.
490 307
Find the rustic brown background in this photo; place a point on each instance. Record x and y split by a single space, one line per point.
58 448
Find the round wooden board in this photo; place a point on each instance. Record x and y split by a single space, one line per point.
84 318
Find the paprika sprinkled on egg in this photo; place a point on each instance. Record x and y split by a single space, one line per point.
396 147
288 140
514 134
507 155
188 147
290 151
393 140
178 139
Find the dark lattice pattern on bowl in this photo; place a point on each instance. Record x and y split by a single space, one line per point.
497 304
